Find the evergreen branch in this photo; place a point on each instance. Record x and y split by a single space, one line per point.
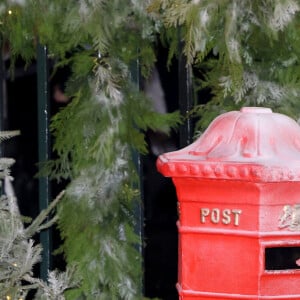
48 224
5 135
36 224
33 283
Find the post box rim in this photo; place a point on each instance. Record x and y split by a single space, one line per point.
227 170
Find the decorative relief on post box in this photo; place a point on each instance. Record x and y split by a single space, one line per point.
220 216
290 217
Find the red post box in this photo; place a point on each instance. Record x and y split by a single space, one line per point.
238 189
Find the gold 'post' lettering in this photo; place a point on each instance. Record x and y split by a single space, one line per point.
204 213
236 213
215 216
226 216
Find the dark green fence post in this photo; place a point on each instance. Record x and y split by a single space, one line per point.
2 91
139 214
3 98
186 99
2 78
44 151
1 94
138 209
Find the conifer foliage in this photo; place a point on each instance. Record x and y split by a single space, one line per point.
18 251
248 50
97 133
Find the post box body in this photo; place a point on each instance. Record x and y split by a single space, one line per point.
239 210
223 238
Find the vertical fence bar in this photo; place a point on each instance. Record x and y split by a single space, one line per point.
138 209
135 75
44 150
2 81
2 96
186 100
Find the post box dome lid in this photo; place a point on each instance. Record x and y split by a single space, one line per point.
251 144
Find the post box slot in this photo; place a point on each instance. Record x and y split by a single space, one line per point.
282 258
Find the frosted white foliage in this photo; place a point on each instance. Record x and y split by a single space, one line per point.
290 62
200 44
234 49
19 253
250 81
100 190
259 91
83 8
109 102
127 290
111 247
122 235
215 51
93 265
30 257
101 98
247 57
56 286
19 2
232 43
261 98
284 12
79 187
9 191
115 94
5 164
4 135
54 289
276 92
226 83
245 26
139 5
254 89
106 85
268 91
204 17
200 36
148 31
